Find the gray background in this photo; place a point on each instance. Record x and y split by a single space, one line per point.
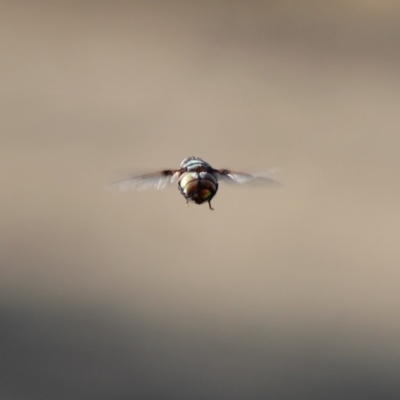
288 293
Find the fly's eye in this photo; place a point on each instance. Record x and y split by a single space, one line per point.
205 193
188 178
209 185
191 187
206 190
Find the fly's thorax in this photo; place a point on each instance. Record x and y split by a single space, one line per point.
194 164
198 186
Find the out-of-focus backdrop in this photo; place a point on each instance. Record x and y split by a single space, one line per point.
284 293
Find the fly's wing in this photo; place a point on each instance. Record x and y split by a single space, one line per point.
156 180
264 178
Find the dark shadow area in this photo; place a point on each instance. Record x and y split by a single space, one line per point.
74 354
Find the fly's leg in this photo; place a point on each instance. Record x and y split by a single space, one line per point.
209 204
187 203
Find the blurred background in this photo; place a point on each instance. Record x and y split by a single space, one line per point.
283 293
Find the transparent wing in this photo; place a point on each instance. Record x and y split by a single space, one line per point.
264 178
156 180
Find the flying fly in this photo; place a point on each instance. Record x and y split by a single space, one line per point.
197 180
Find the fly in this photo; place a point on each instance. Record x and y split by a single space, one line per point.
197 180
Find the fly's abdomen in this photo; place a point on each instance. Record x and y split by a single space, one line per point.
198 186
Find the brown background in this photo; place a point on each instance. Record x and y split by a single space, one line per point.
289 293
